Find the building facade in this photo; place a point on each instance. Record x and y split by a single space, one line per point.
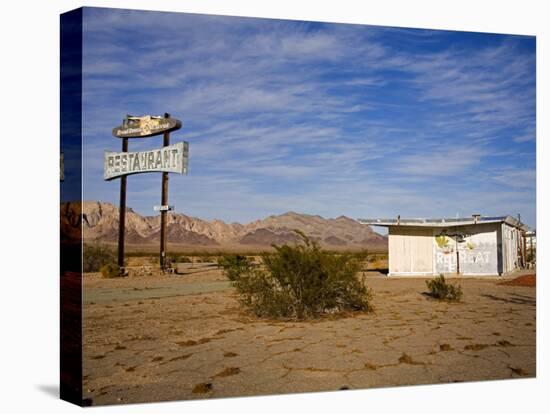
464 246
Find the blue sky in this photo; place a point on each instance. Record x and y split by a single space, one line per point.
318 118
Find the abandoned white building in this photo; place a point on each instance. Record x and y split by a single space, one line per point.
468 246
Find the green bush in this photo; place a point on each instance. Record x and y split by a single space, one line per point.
298 282
234 265
96 255
110 270
183 259
440 289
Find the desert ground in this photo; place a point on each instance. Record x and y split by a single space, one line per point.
166 337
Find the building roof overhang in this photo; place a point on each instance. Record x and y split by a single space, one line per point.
444 222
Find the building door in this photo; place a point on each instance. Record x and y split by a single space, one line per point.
411 250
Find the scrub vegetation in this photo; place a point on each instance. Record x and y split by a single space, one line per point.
299 281
110 270
440 289
96 256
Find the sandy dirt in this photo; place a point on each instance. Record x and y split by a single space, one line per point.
185 337
524 280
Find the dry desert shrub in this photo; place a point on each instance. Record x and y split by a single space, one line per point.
110 270
440 289
234 265
96 255
202 388
299 281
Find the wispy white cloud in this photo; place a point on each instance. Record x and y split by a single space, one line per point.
327 119
441 162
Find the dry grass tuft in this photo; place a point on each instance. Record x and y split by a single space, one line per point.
181 357
230 354
228 372
405 359
176 358
202 388
191 342
224 331
519 371
475 347
370 366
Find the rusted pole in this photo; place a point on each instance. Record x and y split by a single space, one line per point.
524 250
164 202
122 213
532 250
457 256
518 248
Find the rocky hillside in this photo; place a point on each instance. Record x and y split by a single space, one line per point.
101 224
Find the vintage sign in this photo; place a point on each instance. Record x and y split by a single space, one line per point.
172 158
145 126
163 208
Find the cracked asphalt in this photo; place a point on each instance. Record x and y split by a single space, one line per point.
168 338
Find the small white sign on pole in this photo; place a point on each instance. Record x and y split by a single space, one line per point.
163 208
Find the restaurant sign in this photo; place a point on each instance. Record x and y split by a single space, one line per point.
172 158
145 126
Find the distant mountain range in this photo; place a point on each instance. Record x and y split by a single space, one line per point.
100 223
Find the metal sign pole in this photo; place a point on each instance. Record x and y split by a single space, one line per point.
457 256
122 212
164 202
532 251
167 159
